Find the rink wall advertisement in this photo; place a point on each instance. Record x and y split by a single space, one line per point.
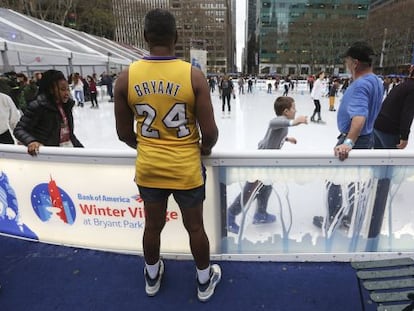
94 206
291 205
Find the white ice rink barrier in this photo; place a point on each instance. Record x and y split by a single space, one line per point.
324 208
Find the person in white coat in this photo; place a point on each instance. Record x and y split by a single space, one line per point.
9 116
317 93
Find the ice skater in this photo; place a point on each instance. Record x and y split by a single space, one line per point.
226 90
317 93
275 137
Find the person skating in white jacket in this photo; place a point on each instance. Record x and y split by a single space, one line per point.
317 92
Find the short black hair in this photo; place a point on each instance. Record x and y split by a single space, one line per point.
160 27
361 51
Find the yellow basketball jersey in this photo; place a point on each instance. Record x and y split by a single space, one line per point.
161 95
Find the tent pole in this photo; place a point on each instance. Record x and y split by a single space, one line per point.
5 58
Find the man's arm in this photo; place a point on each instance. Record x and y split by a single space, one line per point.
124 117
357 124
204 111
343 150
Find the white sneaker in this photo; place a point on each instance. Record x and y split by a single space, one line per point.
152 286
205 291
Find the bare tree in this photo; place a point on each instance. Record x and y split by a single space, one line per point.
92 16
51 10
395 34
320 42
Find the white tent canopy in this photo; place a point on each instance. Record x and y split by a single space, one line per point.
28 44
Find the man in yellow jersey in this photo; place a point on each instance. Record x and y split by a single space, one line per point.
170 100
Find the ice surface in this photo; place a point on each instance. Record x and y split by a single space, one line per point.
242 130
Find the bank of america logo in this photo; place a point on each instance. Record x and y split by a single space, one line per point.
52 203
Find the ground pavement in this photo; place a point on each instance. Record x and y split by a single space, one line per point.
41 277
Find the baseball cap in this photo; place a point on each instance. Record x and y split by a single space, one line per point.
361 51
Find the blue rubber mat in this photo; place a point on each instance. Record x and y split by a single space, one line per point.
42 277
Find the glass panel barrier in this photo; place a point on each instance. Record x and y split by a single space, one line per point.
317 210
262 205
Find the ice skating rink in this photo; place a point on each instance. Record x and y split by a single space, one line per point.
34 275
242 130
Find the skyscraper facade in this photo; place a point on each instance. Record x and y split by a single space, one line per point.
129 17
380 4
207 24
249 62
201 24
299 37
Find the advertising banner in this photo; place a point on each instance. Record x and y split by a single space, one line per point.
293 206
93 206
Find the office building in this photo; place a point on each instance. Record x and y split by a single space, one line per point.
250 60
129 16
381 4
201 24
299 37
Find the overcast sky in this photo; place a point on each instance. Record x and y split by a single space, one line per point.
240 24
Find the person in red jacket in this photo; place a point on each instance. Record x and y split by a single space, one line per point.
92 91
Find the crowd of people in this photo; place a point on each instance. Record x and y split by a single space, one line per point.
166 125
38 111
23 89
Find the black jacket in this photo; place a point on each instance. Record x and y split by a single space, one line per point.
42 122
397 111
226 87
